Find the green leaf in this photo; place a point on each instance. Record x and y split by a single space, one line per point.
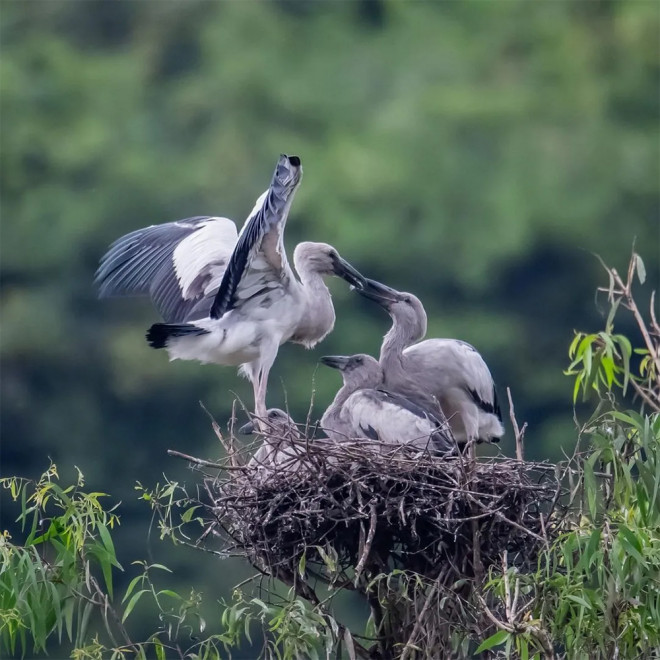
524 649
68 617
494 640
580 601
106 539
132 603
84 620
641 269
187 515
576 387
589 552
573 347
131 586
159 648
631 543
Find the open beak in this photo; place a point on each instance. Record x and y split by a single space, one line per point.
248 429
344 270
335 361
383 295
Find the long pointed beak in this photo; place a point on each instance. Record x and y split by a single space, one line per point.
335 361
344 270
380 293
248 429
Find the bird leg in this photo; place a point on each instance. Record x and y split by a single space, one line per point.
259 404
260 382
254 374
260 393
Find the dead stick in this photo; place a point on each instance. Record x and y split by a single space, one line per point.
201 461
519 433
367 546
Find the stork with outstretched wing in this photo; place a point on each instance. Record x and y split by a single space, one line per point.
229 299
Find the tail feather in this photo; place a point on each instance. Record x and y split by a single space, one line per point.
159 334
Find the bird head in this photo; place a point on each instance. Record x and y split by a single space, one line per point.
404 308
325 260
277 422
359 370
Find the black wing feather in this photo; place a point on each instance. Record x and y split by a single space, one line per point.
248 242
141 263
489 407
410 406
369 432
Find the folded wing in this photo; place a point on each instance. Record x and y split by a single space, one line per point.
395 420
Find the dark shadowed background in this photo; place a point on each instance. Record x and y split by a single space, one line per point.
474 153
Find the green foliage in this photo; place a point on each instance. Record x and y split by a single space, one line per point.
49 589
48 584
602 360
595 594
480 145
58 584
293 628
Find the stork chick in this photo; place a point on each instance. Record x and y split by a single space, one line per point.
362 409
449 371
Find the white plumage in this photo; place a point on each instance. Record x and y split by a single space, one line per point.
278 451
230 299
284 450
201 257
362 408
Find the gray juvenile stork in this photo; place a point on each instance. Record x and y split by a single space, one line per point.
229 299
362 409
284 447
279 434
448 371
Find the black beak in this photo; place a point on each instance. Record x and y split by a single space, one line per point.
383 295
335 361
344 270
248 429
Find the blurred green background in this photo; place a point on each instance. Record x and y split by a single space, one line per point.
474 153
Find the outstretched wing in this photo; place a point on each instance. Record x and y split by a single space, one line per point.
258 265
178 264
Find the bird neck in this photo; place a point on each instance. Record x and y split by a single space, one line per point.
318 316
391 351
333 413
395 375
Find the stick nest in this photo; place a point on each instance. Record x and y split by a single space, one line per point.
342 511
